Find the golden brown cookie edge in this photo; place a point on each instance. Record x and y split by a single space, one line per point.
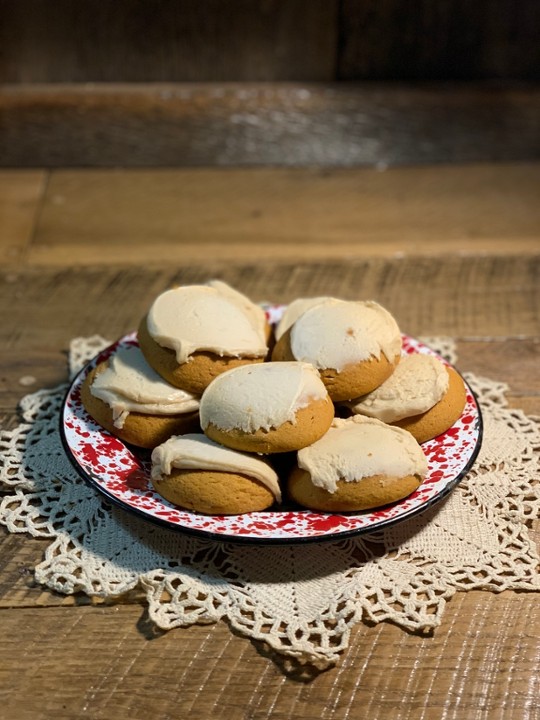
368 493
146 431
442 415
285 438
352 381
214 492
197 373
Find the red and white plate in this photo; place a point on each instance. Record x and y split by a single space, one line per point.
122 473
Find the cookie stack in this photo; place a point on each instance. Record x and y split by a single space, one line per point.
218 408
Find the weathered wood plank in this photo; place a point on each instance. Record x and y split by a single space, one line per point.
21 192
296 40
62 659
462 296
478 664
184 216
193 252
171 41
513 361
451 40
345 124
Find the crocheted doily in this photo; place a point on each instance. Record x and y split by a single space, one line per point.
302 600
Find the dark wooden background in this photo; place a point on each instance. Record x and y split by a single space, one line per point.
161 83
276 40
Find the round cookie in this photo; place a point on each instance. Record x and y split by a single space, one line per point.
193 333
442 415
193 376
195 473
360 464
127 398
267 408
293 311
422 396
354 345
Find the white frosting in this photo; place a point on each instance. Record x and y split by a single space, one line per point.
129 384
337 333
211 317
416 385
293 311
260 396
197 452
360 447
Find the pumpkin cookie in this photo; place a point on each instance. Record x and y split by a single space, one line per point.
130 400
267 408
194 333
293 311
422 396
354 345
198 474
359 464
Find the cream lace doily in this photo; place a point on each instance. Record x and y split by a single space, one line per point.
302 600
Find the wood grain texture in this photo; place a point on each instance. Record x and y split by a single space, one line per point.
212 40
447 40
109 662
509 360
20 197
464 297
168 125
167 40
184 216
65 657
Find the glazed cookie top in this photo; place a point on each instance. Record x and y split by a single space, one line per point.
416 385
129 384
197 452
212 317
337 333
296 308
360 447
261 396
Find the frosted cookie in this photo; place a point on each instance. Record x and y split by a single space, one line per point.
354 345
198 474
267 408
130 400
193 333
360 463
293 311
422 396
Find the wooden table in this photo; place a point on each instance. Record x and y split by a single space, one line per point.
449 250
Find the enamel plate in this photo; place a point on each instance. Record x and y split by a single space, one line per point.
122 474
